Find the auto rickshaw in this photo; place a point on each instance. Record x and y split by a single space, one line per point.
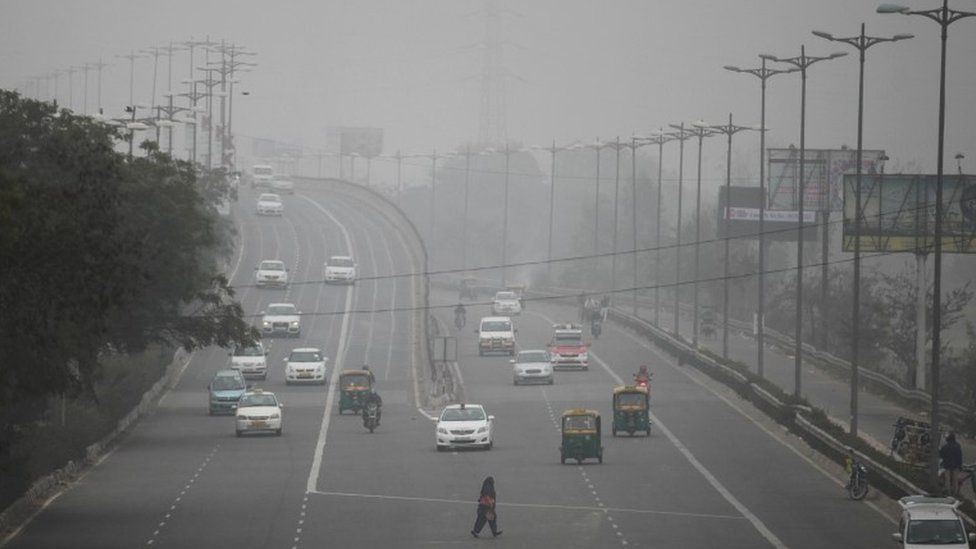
468 288
630 410
354 386
581 435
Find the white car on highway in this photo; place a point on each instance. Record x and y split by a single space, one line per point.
252 360
269 204
259 411
340 268
305 365
281 318
532 366
271 273
506 303
282 185
465 426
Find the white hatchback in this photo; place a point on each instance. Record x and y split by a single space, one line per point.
305 365
252 361
464 426
269 204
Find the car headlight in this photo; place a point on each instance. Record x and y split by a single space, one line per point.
483 429
276 416
266 322
442 430
294 323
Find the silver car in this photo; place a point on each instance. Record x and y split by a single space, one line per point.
532 366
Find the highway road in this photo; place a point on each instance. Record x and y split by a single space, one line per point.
709 476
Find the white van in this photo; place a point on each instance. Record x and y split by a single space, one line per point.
496 334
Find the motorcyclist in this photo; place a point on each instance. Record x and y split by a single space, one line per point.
642 375
460 315
596 326
373 398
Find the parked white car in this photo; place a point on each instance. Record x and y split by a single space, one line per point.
464 425
927 521
532 366
340 269
259 411
283 185
271 273
281 318
269 204
252 361
506 303
305 365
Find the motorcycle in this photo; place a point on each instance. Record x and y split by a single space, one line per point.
596 328
371 416
857 485
643 381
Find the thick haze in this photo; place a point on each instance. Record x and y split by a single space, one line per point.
580 69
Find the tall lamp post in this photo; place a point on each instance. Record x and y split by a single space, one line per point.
658 138
700 130
682 135
802 62
763 74
635 143
944 17
861 42
552 203
728 130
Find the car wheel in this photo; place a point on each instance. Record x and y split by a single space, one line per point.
287 382
515 381
278 432
481 353
440 448
551 380
210 411
238 433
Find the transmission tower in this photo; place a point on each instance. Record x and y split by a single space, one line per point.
491 125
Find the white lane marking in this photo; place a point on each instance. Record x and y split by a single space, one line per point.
313 474
830 476
530 505
718 486
179 498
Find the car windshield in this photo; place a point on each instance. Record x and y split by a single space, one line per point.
505 296
579 422
533 356
283 309
355 381
305 356
568 338
496 326
630 399
935 532
263 170
272 266
267 197
466 414
248 351
227 383
257 400
340 262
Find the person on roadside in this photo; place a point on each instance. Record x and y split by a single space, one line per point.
951 455
486 509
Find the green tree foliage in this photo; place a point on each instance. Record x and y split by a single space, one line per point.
98 253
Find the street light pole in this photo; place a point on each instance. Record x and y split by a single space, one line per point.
508 154
681 136
464 218
944 17
635 143
763 74
659 138
616 202
861 43
552 212
701 131
802 63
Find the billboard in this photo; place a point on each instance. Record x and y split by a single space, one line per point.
366 142
743 217
823 174
898 213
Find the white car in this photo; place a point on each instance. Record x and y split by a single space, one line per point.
252 361
261 176
928 521
259 411
506 303
269 204
532 366
283 185
271 273
496 334
464 426
305 365
340 268
281 318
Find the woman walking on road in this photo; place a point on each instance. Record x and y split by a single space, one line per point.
486 509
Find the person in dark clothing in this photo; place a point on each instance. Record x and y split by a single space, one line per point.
486 509
951 456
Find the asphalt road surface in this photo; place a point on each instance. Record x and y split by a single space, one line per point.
708 476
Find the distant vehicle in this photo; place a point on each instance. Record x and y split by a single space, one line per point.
340 269
261 176
506 303
225 390
269 204
496 334
271 273
251 361
305 365
532 366
281 318
282 185
259 411
927 521
568 349
465 425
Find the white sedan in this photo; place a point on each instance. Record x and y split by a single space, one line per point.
506 303
269 204
532 366
258 411
465 425
271 272
281 318
340 268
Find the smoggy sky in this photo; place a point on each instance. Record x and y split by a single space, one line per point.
580 69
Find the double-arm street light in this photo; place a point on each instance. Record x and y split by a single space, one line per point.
801 62
658 138
763 74
861 42
728 130
552 203
944 17
635 143
683 134
700 130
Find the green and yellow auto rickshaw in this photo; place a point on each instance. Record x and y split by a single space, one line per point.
581 435
354 386
630 410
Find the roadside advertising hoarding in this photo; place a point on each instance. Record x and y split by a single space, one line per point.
743 217
823 174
